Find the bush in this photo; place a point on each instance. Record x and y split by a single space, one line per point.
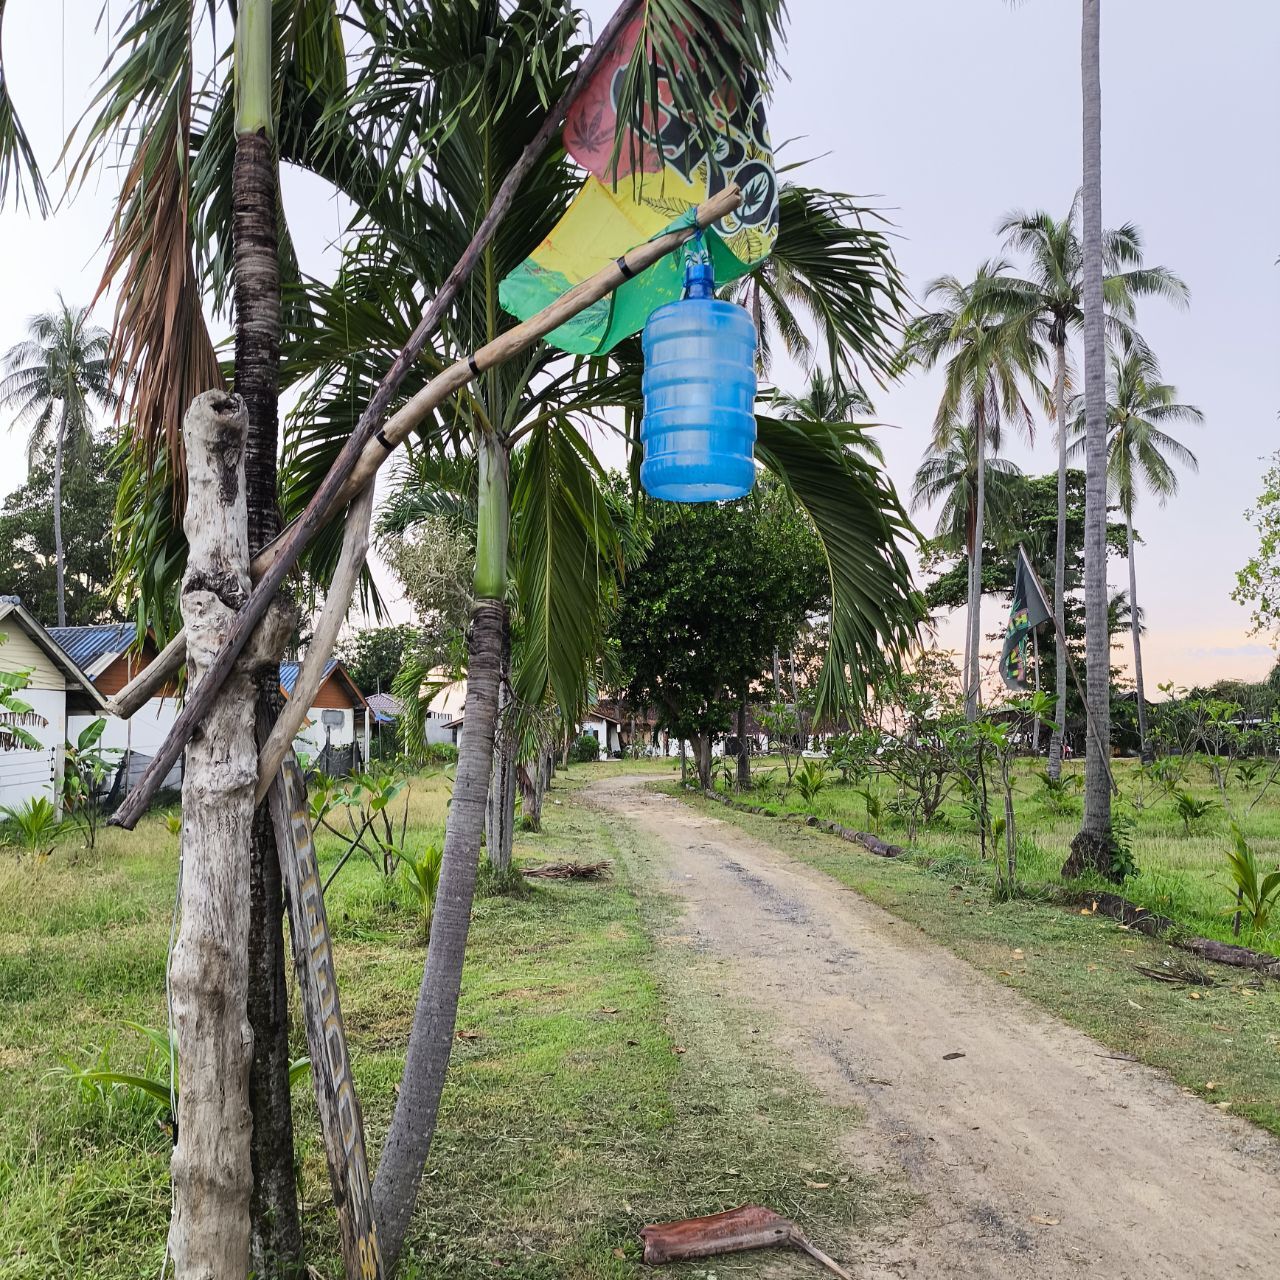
440 753
585 749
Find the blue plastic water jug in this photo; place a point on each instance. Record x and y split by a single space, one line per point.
699 396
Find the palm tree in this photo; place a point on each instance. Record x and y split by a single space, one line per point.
52 382
825 399
546 548
988 364
1141 454
948 474
1048 300
1092 847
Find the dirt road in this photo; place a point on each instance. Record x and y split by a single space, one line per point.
1035 1153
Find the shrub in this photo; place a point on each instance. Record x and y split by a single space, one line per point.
33 825
585 749
1060 794
1257 893
1189 808
440 753
422 875
810 778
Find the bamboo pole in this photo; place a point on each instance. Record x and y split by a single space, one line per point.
355 544
338 488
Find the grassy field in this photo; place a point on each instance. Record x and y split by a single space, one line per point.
1222 1041
602 1078
1181 873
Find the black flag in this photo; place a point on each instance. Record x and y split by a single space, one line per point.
1029 610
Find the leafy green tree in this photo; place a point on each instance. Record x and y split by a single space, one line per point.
373 656
28 556
1258 583
53 383
720 587
1030 520
1141 454
988 367
1047 300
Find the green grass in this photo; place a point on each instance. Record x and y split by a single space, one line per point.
569 1120
1222 1042
1180 874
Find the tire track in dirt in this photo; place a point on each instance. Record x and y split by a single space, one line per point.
1035 1153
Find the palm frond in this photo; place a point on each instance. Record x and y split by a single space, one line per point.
20 176
875 608
566 560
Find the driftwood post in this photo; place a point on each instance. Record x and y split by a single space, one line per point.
212 1176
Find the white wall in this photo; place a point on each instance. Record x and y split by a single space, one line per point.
312 737
142 734
27 774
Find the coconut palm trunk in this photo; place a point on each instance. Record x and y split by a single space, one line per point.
1144 747
972 675
413 1123
1091 849
59 566
1060 562
276 1232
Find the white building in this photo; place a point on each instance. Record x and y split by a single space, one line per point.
57 689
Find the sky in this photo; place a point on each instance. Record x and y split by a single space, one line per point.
944 114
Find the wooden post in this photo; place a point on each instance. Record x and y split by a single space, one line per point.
341 1123
212 1176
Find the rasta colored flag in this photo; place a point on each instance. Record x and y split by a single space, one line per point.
661 178
1029 610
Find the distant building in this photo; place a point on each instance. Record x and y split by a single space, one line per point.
336 733
57 691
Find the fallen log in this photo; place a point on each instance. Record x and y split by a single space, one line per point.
873 844
1141 920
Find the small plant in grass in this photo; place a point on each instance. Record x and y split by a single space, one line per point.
1167 772
1191 809
1249 771
155 1082
810 778
422 874
88 765
874 804
1257 891
1060 794
32 826
1123 863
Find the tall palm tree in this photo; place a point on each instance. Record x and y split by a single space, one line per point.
948 474
1048 300
988 365
825 399
545 544
1141 454
1092 847
52 383
448 94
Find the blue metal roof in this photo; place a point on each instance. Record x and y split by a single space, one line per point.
289 674
85 645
